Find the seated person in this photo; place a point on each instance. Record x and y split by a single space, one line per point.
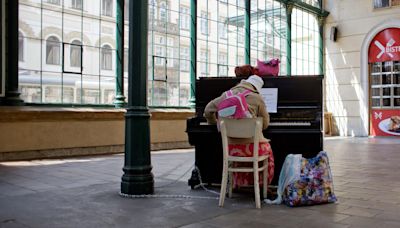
244 147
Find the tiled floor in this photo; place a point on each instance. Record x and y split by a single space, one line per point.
83 192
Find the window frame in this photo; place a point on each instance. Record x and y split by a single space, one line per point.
381 86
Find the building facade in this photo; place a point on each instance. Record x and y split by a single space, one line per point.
362 85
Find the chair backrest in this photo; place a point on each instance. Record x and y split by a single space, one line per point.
240 128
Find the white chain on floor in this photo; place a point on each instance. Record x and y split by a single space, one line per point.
202 184
175 196
166 196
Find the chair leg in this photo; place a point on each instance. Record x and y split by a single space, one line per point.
223 184
230 175
256 184
265 179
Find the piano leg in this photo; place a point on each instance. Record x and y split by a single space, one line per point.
194 179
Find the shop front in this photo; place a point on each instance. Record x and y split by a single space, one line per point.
384 83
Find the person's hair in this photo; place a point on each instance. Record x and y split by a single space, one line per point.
244 71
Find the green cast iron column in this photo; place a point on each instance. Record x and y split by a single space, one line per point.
289 9
119 96
247 37
321 21
138 178
193 52
11 81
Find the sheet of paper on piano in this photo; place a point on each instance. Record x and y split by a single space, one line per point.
270 96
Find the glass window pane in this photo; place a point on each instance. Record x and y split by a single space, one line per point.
387 66
107 88
184 94
72 83
386 91
381 3
376 79
91 60
396 66
30 21
52 87
386 79
173 94
397 102
376 67
396 78
91 32
90 93
159 93
376 103
386 102
396 91
376 92
31 93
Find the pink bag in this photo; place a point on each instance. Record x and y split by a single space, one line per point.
268 68
234 105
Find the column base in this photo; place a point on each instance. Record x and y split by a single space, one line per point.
119 101
137 184
11 99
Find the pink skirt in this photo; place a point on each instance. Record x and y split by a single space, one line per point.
246 150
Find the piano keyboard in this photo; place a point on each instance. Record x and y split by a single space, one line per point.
289 124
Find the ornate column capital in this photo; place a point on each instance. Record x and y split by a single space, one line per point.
321 20
289 8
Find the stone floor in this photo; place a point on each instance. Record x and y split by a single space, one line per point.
83 192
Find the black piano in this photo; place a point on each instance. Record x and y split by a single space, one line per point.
295 128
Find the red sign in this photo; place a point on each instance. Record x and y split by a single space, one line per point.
385 46
385 122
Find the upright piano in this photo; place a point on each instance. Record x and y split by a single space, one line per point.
296 127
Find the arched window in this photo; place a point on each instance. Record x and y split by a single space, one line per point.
53 50
20 47
107 8
106 57
75 53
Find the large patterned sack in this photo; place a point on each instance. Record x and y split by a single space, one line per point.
315 185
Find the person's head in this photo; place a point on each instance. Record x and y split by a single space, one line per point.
256 81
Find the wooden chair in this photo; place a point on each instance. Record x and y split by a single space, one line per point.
242 128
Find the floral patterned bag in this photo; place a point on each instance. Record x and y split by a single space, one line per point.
315 185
